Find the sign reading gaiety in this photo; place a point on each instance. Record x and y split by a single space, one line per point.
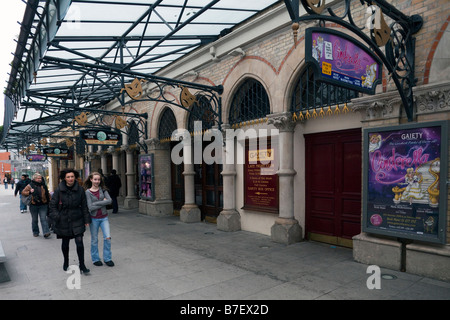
101 137
405 184
342 61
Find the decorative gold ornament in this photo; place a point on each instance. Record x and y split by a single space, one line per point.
321 112
81 119
120 122
345 109
69 143
187 98
134 89
316 5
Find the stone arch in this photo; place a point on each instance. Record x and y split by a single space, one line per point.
437 67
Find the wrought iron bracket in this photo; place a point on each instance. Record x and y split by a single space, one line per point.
397 38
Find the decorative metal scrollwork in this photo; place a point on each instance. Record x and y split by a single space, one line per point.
397 38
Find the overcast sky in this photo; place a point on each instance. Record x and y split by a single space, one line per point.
12 12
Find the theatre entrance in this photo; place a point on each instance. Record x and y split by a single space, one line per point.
333 186
209 190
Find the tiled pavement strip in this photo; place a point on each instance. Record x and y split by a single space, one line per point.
161 258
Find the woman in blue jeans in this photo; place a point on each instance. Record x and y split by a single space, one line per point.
97 199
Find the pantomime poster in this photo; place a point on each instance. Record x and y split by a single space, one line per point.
403 182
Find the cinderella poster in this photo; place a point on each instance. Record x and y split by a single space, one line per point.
403 180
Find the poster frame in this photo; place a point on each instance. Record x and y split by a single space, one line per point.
440 237
271 144
144 175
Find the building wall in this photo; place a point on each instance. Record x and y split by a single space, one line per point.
276 61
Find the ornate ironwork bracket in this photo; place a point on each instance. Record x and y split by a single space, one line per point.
397 38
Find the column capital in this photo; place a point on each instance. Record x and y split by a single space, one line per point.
155 144
282 121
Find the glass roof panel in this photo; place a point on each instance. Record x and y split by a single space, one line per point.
81 63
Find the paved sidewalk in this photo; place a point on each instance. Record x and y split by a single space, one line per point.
163 258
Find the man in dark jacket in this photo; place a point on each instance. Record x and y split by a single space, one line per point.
24 181
114 184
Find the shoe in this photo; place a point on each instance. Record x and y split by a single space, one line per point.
47 235
35 235
65 266
109 263
83 269
115 212
21 211
98 263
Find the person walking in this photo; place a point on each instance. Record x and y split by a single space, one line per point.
113 183
5 181
40 199
24 181
69 211
97 200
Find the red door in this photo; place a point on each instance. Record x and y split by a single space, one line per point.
333 186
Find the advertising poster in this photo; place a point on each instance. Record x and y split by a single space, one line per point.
342 60
146 177
403 183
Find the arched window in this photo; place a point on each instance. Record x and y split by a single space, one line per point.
250 102
167 125
202 111
311 94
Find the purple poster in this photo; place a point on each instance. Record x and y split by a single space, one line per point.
343 61
403 180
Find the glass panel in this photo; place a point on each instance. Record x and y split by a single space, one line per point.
210 175
199 197
210 198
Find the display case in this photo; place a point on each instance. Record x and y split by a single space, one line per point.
146 177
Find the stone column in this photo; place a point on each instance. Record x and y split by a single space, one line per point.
286 228
103 162
131 201
229 218
190 212
115 160
162 205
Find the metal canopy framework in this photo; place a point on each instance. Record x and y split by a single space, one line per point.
77 56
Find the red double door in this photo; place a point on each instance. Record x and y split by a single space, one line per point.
333 186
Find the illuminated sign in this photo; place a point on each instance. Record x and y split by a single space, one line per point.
342 61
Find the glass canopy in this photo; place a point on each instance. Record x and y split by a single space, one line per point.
77 55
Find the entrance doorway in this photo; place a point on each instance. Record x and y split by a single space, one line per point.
209 190
333 186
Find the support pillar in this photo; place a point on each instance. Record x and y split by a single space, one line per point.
286 228
229 218
190 212
103 162
131 200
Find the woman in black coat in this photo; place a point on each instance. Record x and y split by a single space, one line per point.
70 214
